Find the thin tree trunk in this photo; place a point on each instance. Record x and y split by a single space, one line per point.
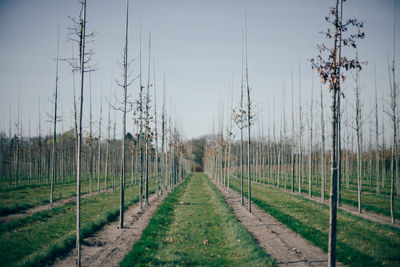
140 137
157 168
394 171
358 136
99 159
334 170
249 122
292 141
147 128
300 164
78 171
53 177
310 158
323 168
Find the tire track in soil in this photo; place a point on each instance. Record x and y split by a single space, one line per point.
286 247
109 246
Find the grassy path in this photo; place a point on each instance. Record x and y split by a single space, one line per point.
194 226
360 242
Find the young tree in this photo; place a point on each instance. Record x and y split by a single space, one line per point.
147 134
99 146
39 140
310 158
163 137
249 118
106 171
358 129
376 138
240 121
329 63
30 150
78 34
124 110
323 166
293 143
140 120
156 167
82 39
18 140
393 117
53 177
90 137
300 157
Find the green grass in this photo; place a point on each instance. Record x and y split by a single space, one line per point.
38 239
194 226
359 242
370 202
22 197
352 178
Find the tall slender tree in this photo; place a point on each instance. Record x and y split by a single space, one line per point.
82 52
323 166
79 35
163 136
147 126
293 143
329 63
124 111
393 95
54 170
99 159
156 167
249 118
377 173
300 156
310 157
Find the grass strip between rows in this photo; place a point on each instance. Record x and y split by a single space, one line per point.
379 204
23 197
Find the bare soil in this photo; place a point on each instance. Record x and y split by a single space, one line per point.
58 203
109 246
286 247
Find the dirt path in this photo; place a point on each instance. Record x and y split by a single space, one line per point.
368 215
109 246
286 247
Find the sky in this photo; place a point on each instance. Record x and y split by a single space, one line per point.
197 44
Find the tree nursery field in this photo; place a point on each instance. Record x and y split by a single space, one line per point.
199 133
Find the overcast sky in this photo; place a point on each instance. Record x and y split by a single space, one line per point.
196 43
